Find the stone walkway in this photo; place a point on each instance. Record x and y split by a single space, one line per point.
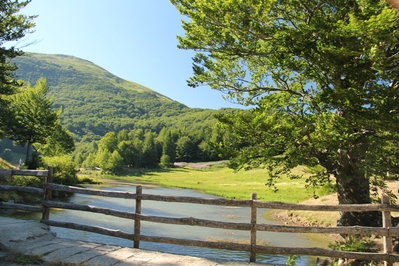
34 238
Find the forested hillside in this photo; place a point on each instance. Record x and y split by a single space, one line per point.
117 123
95 101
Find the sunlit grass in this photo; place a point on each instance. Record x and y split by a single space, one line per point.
223 182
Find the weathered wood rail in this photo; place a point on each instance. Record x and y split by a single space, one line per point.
386 231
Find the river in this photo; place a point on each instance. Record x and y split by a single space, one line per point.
178 210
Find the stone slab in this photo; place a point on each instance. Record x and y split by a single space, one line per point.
31 245
30 237
81 258
14 231
60 255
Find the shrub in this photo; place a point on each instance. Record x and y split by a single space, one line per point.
64 170
165 161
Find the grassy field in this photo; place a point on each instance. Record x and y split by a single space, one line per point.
5 165
220 181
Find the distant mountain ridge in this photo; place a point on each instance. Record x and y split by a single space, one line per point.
94 101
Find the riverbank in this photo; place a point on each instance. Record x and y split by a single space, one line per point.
311 218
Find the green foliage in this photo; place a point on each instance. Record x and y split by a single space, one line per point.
146 150
33 162
168 148
30 181
292 260
59 142
165 161
149 153
13 27
355 244
114 163
322 78
34 119
185 149
64 170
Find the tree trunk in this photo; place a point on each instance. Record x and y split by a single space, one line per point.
353 187
27 152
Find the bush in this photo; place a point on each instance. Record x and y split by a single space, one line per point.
64 170
165 161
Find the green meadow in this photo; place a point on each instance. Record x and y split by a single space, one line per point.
221 181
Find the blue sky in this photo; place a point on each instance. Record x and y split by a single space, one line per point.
133 39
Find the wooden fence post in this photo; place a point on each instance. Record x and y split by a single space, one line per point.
252 256
137 222
48 194
387 223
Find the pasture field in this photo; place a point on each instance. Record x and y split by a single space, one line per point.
217 179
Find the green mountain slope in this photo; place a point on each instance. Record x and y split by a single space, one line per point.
95 101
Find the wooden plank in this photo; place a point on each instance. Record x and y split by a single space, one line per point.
195 200
5 173
22 189
197 243
89 228
353 230
88 208
42 173
22 207
97 192
156 219
338 208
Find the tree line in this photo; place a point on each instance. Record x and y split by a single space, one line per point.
147 149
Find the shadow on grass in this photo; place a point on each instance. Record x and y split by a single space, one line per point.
148 172
138 172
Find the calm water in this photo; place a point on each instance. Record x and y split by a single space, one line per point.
178 210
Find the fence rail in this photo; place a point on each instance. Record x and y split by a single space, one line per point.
387 231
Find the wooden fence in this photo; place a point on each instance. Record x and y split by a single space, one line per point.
386 231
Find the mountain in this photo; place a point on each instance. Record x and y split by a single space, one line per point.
95 102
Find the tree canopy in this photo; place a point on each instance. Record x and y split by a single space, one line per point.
34 120
13 27
322 77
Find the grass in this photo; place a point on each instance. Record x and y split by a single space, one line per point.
5 165
220 181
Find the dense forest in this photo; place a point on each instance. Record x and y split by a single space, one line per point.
96 104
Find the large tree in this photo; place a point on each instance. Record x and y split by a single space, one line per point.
13 27
34 119
323 77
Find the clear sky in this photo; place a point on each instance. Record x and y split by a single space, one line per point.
133 39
